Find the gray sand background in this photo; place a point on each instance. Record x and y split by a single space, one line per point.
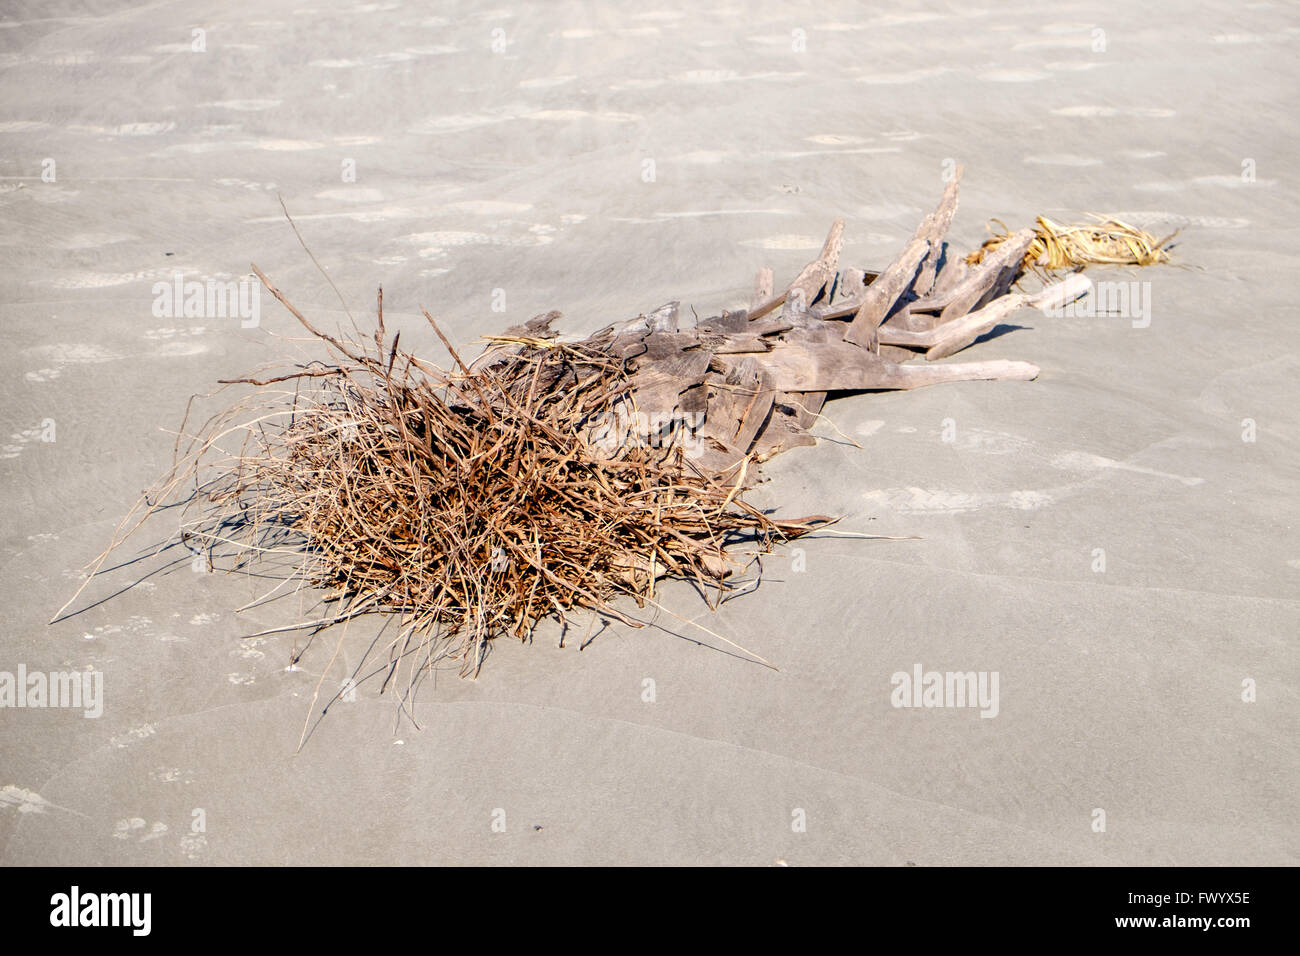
522 169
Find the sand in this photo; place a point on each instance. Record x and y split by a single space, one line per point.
1105 539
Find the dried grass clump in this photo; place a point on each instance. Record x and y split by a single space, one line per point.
470 503
1059 246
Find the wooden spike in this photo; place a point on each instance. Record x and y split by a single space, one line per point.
762 289
934 228
812 277
986 275
883 294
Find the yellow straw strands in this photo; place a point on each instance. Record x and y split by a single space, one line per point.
1059 246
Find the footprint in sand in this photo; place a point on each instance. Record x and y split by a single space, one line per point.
138 831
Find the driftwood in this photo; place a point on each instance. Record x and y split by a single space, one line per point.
748 384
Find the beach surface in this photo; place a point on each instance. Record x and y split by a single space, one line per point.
1115 541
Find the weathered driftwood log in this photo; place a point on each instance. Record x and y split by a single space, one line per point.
746 385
